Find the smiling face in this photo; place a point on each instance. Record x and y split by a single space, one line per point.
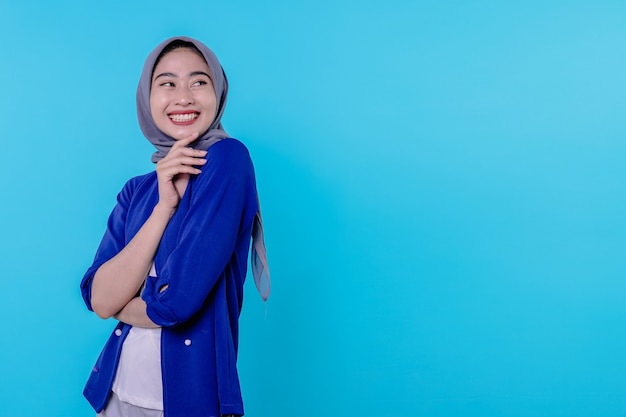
182 97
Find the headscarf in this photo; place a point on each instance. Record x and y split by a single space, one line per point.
215 133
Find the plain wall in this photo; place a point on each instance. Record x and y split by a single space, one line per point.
442 187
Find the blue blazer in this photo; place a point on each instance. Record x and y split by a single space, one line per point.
202 258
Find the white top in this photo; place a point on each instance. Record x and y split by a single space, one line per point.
138 380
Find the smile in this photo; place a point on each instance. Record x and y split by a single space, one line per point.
183 117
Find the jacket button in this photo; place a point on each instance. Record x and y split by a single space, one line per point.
118 332
188 342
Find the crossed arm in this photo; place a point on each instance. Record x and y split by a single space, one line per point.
117 282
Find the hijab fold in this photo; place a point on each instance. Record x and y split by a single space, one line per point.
215 133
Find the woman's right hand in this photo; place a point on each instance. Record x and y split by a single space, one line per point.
174 170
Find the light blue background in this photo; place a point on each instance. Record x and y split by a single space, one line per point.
442 184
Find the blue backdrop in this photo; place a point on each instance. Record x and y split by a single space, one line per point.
442 184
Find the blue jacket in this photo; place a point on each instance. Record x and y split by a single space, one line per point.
202 258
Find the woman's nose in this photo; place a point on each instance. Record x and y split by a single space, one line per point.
185 97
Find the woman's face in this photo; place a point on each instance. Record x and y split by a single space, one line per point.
182 97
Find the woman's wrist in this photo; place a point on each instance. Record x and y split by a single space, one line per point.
162 211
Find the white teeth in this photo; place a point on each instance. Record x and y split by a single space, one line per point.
183 117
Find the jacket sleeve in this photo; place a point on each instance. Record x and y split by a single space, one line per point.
220 205
113 240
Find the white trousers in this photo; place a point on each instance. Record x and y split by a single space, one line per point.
117 408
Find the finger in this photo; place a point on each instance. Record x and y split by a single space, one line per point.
174 153
180 160
181 143
177 163
171 172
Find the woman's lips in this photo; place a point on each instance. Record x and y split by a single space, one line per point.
182 119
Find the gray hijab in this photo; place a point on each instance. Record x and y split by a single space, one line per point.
215 133
160 140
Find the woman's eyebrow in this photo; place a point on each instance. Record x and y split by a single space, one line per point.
174 75
199 73
165 74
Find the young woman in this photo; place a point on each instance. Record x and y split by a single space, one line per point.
172 262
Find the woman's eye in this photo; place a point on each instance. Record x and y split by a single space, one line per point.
168 84
200 82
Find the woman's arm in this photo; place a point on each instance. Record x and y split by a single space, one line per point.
134 313
217 223
118 280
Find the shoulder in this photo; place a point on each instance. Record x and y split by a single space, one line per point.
228 165
139 180
231 148
229 155
135 183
